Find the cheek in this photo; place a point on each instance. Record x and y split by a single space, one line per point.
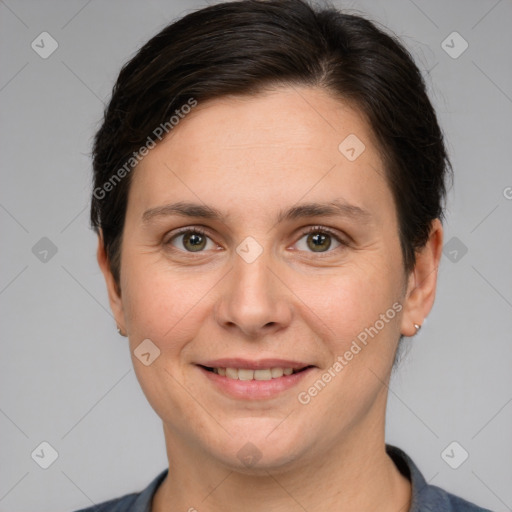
161 304
344 303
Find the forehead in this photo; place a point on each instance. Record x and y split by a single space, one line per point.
295 116
283 143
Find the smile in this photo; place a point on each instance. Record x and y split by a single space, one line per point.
259 374
254 380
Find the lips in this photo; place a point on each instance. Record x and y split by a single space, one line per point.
264 378
261 364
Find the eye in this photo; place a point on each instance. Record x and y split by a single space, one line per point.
192 240
319 239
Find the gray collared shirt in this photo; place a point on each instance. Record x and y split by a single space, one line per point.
425 497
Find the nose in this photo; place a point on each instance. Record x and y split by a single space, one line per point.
254 301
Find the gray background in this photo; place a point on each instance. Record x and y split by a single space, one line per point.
66 375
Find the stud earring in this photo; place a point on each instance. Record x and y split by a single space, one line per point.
121 333
417 327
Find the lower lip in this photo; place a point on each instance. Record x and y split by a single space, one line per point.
255 389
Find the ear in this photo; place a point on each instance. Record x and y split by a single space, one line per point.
422 282
114 295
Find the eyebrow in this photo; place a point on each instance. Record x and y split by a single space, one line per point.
336 207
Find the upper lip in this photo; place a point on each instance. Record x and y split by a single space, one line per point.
254 365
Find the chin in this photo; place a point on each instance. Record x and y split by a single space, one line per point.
262 453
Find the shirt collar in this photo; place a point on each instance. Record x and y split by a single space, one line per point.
425 497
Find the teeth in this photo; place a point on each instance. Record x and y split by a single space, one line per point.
231 373
277 372
262 374
246 374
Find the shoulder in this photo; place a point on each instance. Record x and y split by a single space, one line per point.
427 497
436 499
122 504
133 502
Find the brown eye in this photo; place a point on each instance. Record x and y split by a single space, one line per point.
319 241
191 241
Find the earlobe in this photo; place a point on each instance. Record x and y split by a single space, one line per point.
114 295
421 289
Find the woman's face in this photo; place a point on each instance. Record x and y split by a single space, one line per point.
254 290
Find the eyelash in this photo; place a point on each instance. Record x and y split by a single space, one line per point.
311 229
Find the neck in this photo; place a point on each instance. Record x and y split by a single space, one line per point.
357 475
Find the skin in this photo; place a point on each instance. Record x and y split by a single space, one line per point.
251 157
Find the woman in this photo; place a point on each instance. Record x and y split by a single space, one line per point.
268 189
